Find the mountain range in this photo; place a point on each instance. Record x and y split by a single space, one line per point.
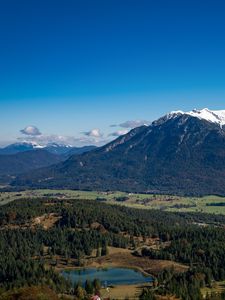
54 148
180 153
23 157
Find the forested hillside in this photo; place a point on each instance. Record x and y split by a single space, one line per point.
36 233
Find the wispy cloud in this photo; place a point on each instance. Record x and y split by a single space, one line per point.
63 140
118 133
132 124
95 133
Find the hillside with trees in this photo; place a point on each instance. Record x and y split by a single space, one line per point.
30 250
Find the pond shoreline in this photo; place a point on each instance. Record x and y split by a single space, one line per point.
111 276
102 267
123 258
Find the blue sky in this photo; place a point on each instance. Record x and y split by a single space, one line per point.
70 66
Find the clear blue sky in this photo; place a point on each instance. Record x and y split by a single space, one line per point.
73 65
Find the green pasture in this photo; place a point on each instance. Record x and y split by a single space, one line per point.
144 201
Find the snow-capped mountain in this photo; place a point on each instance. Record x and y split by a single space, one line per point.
214 116
181 153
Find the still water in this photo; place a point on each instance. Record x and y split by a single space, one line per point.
110 276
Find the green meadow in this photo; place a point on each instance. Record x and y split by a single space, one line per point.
207 204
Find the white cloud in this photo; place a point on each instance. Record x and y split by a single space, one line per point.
31 130
32 134
132 124
119 133
95 133
44 140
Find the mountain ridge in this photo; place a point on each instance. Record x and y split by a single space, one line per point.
182 155
53 148
213 116
14 164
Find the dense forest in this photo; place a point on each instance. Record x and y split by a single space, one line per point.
25 243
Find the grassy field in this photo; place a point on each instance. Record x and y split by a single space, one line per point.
144 201
122 292
217 287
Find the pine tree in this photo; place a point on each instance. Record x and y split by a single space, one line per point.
98 252
88 287
105 250
97 285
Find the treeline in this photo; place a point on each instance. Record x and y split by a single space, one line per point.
200 248
22 253
18 266
86 211
215 204
186 286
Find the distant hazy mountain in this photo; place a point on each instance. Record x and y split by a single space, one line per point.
22 157
14 164
182 153
52 148
16 148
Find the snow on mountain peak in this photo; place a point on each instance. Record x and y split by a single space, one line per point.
214 116
32 144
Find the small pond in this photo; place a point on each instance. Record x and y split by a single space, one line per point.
109 276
